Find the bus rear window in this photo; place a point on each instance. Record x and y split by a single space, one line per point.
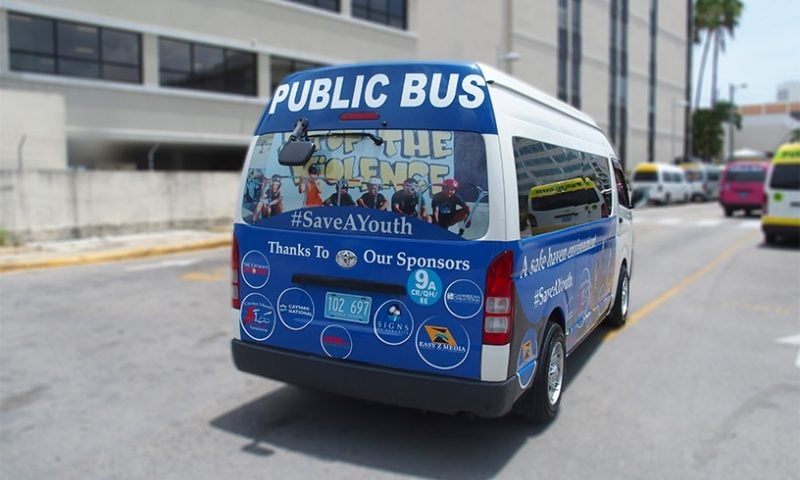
746 174
786 176
433 176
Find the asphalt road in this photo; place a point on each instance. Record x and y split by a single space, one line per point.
123 370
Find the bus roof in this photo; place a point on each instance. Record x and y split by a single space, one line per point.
788 153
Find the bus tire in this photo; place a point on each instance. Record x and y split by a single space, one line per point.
619 312
541 401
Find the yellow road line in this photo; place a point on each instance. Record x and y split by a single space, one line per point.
661 299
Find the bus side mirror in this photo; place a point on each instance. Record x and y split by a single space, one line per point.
298 150
295 153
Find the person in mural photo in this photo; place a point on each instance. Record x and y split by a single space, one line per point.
373 198
448 206
311 186
271 202
340 198
409 201
254 189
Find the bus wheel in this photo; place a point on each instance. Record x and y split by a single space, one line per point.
540 403
619 313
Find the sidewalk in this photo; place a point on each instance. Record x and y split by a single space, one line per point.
61 253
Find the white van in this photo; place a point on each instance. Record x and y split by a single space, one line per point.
704 180
781 212
563 204
660 183
418 282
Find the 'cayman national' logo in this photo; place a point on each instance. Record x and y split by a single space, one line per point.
346 259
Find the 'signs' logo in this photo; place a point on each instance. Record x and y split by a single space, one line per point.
440 335
346 259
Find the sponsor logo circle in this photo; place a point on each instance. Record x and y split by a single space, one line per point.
442 343
295 308
336 341
393 323
255 269
424 287
463 299
257 317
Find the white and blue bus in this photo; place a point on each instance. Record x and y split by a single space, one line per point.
385 248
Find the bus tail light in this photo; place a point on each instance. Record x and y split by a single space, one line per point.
498 312
235 302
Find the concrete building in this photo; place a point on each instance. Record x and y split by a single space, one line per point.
766 126
180 84
788 91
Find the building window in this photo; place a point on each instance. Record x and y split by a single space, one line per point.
387 12
618 77
45 45
332 5
206 67
563 49
651 107
281 67
575 91
569 52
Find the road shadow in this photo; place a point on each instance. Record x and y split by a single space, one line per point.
782 244
387 438
397 440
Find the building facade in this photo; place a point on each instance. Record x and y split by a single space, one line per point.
180 84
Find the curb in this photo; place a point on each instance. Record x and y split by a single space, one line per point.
112 255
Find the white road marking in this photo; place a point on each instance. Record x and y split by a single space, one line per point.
711 222
793 340
749 224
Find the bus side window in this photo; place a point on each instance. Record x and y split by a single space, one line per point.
622 188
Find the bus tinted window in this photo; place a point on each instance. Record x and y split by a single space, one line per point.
645 176
786 176
746 174
558 186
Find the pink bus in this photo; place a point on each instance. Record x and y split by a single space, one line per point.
742 187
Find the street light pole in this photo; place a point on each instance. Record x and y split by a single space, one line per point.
731 91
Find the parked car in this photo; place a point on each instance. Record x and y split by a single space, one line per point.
742 187
703 180
660 183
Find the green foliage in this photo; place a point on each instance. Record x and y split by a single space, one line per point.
707 131
712 15
713 19
794 135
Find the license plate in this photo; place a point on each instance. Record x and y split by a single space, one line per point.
743 194
350 308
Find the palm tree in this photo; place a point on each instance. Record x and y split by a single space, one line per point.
715 19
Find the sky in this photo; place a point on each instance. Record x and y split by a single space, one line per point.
763 53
